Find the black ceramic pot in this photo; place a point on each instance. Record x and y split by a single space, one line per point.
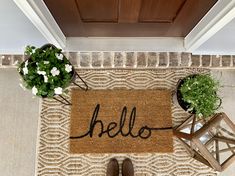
179 96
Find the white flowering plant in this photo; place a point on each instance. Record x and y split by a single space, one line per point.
47 72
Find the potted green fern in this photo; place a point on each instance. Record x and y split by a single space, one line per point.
197 94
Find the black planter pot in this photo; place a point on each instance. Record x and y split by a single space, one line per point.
184 105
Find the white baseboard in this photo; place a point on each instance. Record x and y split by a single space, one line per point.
164 44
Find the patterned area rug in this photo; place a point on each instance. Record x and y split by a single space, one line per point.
53 156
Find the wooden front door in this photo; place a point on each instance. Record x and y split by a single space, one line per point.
128 18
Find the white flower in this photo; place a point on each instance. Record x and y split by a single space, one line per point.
200 115
190 109
21 85
33 51
25 70
26 63
58 90
55 71
59 56
46 62
68 68
34 90
45 79
41 72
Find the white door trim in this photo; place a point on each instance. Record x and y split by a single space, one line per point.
40 16
163 44
218 16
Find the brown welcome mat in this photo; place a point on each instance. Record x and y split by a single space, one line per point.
53 154
121 121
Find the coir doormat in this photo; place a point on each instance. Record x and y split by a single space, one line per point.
121 121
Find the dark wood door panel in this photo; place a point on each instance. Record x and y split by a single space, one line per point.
134 30
129 11
66 15
98 10
160 11
128 18
190 14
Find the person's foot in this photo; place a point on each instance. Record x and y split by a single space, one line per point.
113 168
127 168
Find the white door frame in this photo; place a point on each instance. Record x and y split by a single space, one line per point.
38 13
218 16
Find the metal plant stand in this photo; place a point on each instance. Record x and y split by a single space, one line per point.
62 99
85 84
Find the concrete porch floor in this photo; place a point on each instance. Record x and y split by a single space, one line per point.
20 113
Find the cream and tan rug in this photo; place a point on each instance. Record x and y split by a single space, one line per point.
54 159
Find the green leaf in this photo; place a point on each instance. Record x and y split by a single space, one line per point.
36 61
200 93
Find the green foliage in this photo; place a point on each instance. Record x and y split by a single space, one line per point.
44 60
199 92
